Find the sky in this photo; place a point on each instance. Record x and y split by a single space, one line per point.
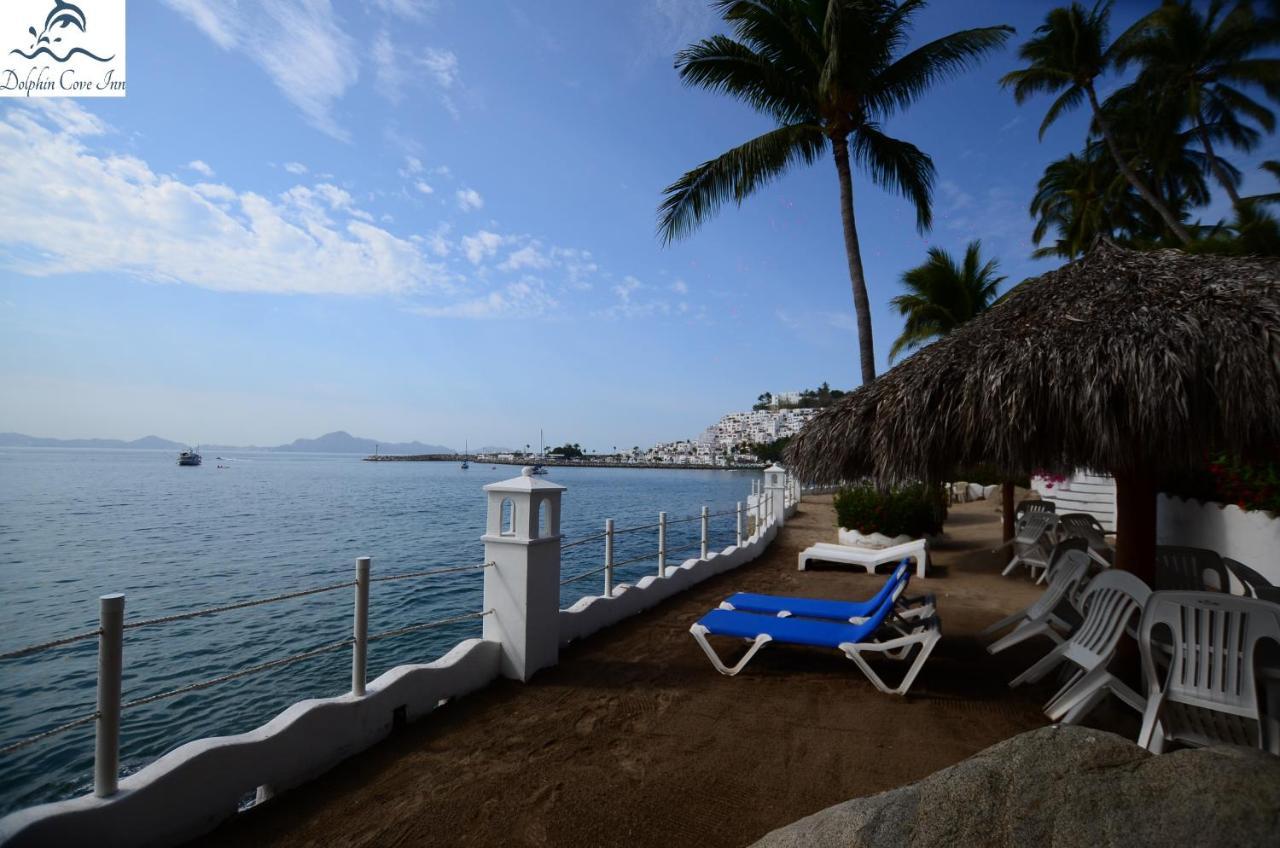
435 220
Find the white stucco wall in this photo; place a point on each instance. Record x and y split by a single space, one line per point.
1082 492
1252 537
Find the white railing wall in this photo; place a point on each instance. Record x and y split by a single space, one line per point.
188 791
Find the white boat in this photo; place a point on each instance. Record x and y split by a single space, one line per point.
189 457
465 451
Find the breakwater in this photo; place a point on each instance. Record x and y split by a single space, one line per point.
566 463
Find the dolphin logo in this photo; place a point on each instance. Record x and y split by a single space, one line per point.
62 16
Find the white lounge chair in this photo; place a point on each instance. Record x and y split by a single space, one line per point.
1210 693
1110 602
1043 618
916 550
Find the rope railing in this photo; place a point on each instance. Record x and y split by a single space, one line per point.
427 625
244 672
584 575
431 572
56 643
257 602
53 731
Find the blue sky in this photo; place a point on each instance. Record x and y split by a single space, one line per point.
434 220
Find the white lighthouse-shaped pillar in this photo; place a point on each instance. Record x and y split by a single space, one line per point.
522 587
775 486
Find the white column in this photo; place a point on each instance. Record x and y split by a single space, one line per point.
522 587
775 484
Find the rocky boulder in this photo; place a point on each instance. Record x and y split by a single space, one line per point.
1064 787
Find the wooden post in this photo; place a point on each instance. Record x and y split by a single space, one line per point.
1136 524
1006 506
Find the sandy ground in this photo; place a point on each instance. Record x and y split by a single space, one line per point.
634 740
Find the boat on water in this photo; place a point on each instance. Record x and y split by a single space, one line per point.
189 457
539 469
466 450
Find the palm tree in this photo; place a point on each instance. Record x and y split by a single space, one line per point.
1198 62
942 294
1078 197
1067 54
828 73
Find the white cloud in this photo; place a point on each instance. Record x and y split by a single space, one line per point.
300 44
522 299
423 187
412 165
442 65
388 68
72 210
481 246
411 9
295 168
680 287
626 288
438 240
529 256
200 167
469 199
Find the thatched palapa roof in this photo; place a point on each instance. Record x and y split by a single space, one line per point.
1123 361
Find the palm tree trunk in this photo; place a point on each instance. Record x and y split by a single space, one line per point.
1134 180
861 305
1214 164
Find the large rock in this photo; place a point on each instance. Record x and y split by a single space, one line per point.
1064 787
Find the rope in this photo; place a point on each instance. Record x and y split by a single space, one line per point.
244 672
56 643
582 576
653 556
166 619
585 539
386 634
31 740
429 572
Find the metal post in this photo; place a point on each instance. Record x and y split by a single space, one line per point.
608 557
662 544
360 641
704 532
739 524
106 748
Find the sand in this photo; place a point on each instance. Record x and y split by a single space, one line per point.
634 740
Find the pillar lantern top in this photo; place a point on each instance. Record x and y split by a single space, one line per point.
526 482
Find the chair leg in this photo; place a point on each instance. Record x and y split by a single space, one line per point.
700 636
854 652
1003 623
1039 669
1151 736
1084 707
1022 634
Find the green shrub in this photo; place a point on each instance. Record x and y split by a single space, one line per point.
915 510
1229 479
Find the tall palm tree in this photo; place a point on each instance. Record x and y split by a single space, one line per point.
1067 54
1198 62
829 73
1082 197
942 294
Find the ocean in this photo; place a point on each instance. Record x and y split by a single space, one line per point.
77 524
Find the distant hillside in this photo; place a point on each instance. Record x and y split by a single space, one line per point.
344 442
18 440
339 442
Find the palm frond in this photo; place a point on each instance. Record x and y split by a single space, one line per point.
723 65
942 59
734 175
897 166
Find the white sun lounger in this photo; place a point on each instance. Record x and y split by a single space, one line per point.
867 558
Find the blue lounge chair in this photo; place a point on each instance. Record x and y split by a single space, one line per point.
853 639
854 612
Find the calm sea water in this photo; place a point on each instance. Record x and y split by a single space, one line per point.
76 524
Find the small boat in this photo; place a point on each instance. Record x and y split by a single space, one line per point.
465 451
539 469
189 457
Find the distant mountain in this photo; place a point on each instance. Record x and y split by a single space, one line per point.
339 442
344 442
18 440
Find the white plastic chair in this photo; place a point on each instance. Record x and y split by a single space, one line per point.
1184 569
1033 540
1210 691
1043 618
1085 526
1110 602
